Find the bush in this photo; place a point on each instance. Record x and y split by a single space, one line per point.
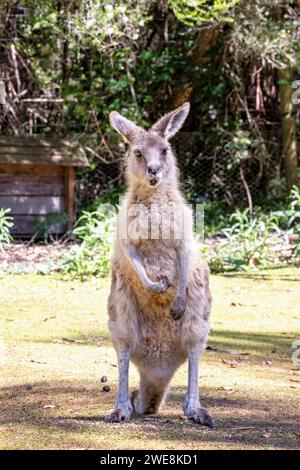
95 230
247 242
289 218
252 240
6 223
216 218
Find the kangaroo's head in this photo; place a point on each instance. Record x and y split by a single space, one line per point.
150 158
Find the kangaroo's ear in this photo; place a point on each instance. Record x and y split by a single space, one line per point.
170 123
127 129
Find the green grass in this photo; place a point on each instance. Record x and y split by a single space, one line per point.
57 348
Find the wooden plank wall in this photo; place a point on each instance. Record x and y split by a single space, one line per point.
31 192
33 150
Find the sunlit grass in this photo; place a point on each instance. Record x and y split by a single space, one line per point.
57 348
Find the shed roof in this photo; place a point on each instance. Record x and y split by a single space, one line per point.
41 151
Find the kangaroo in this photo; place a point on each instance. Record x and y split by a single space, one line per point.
160 300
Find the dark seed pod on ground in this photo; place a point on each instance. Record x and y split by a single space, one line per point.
106 388
103 378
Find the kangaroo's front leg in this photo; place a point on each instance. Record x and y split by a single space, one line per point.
135 259
183 259
123 407
191 407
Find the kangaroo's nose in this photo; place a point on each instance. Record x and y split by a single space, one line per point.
153 169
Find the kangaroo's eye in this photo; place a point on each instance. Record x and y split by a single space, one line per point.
137 153
164 152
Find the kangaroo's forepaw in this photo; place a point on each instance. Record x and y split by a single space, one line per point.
160 286
178 308
202 416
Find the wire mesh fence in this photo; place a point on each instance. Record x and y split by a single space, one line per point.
206 173
203 176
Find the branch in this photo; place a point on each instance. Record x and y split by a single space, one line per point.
107 162
249 197
14 59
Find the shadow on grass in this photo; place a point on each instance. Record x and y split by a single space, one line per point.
93 338
254 343
22 407
265 274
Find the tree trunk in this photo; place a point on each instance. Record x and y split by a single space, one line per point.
207 37
289 135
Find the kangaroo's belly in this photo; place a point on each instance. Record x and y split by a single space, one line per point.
160 344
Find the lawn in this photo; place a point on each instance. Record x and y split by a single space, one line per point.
57 347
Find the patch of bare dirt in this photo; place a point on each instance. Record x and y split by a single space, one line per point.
30 257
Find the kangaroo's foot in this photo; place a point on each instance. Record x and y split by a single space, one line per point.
202 416
120 414
193 411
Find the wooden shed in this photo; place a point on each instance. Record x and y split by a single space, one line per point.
37 182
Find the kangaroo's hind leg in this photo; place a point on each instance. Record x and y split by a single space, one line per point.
151 394
192 408
195 333
123 407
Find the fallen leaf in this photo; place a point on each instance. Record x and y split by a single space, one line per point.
228 388
37 362
215 349
211 348
235 304
238 353
232 363
245 428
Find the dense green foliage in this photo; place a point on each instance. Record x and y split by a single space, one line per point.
75 61
197 12
143 57
259 239
95 230
241 241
